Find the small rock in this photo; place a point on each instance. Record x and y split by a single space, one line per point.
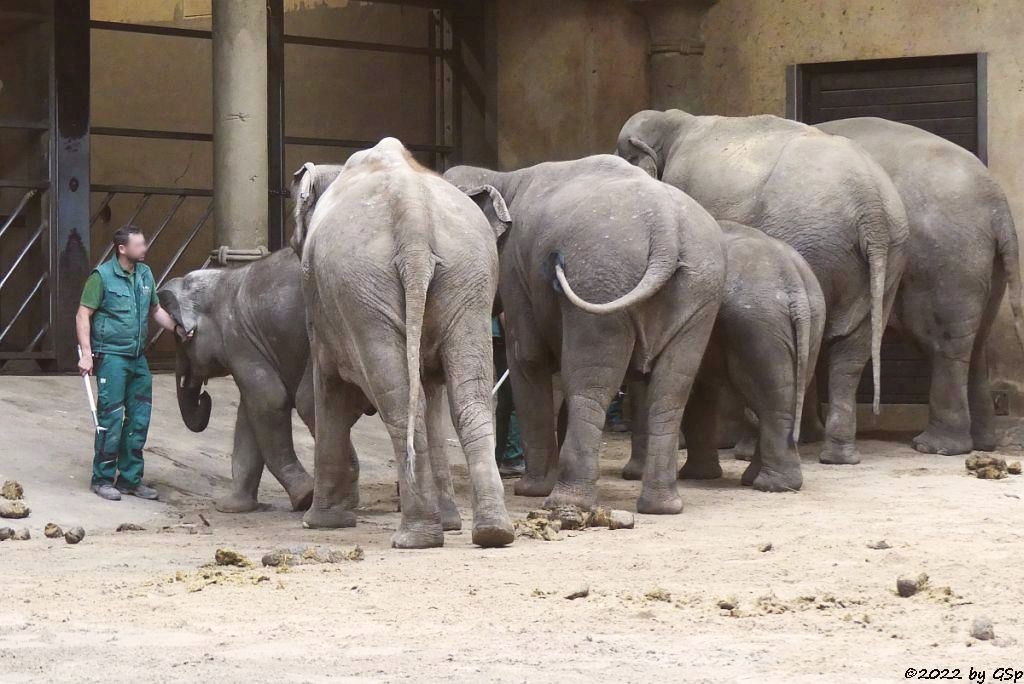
764 548
22 535
12 489
229 557
727 604
130 527
6 533
982 629
14 509
1013 468
908 587
879 545
53 531
74 535
621 520
582 592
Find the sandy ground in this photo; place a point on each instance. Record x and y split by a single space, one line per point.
819 606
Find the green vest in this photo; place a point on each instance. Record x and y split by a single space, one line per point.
121 324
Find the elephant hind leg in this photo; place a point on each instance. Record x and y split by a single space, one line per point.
983 436
700 426
441 469
634 468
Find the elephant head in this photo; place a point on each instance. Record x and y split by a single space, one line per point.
645 138
190 301
308 184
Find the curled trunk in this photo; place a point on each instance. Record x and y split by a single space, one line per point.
193 402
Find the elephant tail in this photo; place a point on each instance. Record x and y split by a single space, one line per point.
416 271
1009 255
661 264
800 315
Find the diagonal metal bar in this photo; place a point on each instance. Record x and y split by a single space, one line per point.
24 305
167 219
103 205
160 331
17 210
38 338
17 260
131 220
181 250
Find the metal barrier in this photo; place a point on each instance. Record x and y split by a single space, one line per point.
37 238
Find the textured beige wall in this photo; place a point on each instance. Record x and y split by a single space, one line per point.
750 42
569 73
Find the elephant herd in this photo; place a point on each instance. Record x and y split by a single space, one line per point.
707 262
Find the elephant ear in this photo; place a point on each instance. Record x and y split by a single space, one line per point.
305 200
493 205
648 159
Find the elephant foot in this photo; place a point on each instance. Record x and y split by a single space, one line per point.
329 518
933 441
236 503
530 485
834 453
709 469
493 532
984 443
660 502
450 518
744 449
581 496
418 536
633 470
768 480
301 494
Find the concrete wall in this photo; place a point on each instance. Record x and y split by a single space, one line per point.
569 73
749 43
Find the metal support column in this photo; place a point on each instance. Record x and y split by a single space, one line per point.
240 158
69 155
275 115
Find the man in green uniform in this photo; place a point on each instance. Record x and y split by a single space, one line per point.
112 325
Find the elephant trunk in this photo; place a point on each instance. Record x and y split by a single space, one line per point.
661 264
194 405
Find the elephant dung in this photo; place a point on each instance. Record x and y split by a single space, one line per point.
571 517
311 555
6 533
229 557
12 489
14 509
22 535
74 535
990 473
977 461
53 531
130 527
1013 468
906 587
538 527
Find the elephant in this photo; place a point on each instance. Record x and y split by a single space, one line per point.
399 271
248 322
600 230
821 194
963 254
763 349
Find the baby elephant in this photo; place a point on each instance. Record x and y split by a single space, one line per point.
763 347
399 273
248 322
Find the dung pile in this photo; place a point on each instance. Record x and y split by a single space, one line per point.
12 503
990 467
311 555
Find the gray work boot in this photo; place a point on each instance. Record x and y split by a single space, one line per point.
140 490
107 491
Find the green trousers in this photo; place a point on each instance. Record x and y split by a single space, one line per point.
124 404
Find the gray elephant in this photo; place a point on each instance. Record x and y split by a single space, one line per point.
599 229
399 275
762 351
819 193
248 322
963 253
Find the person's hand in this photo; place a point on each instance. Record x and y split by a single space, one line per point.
85 365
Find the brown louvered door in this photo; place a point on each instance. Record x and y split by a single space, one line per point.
938 94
